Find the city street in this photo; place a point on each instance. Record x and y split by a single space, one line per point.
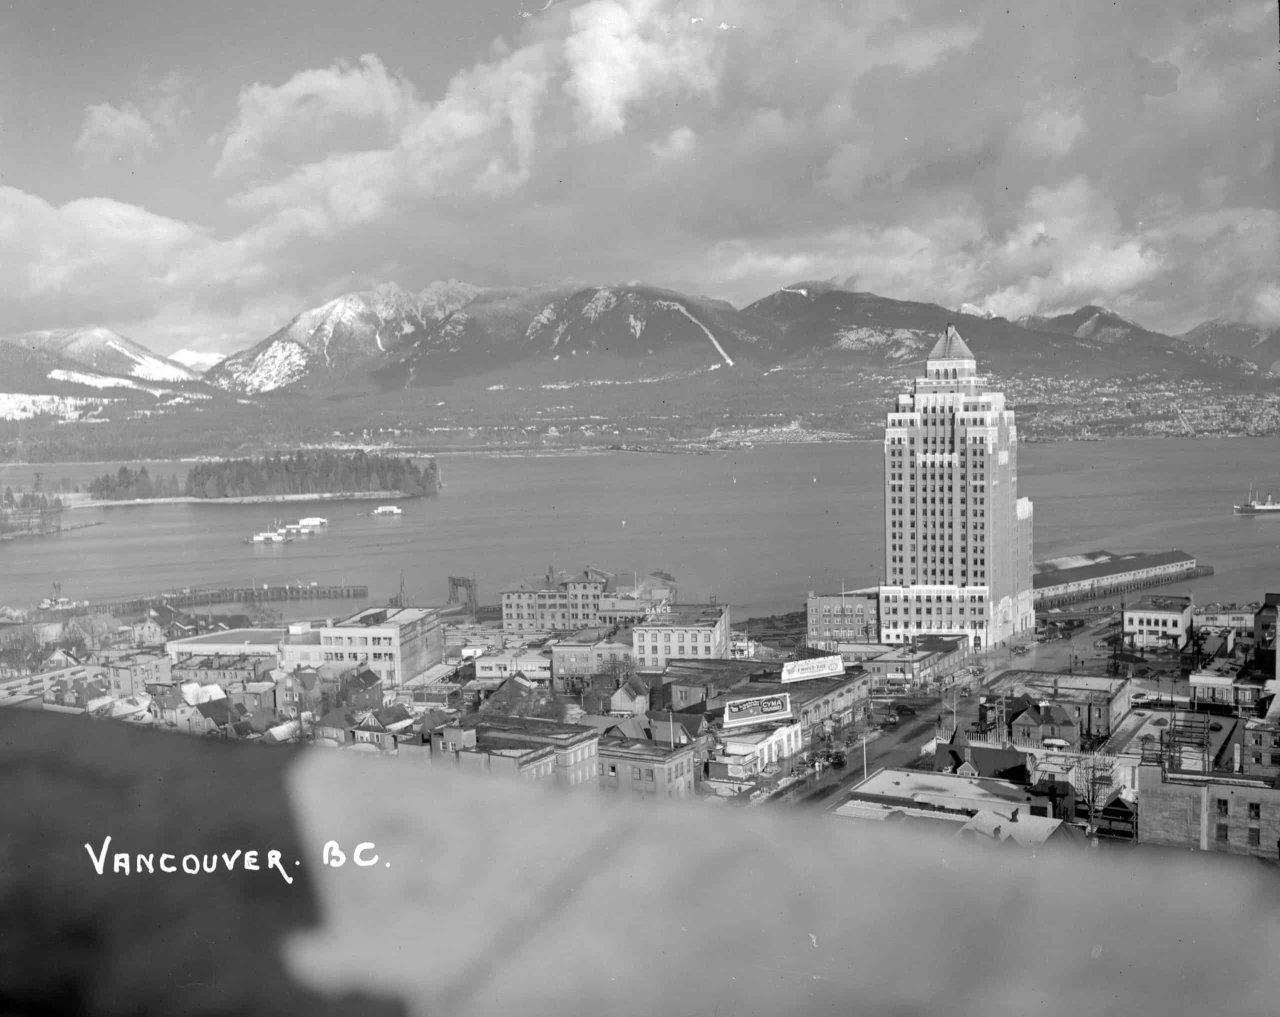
894 747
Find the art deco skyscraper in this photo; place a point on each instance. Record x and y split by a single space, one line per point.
957 536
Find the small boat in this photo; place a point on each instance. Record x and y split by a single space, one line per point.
388 510
313 521
1255 507
270 537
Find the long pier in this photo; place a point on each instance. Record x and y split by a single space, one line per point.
1107 588
202 598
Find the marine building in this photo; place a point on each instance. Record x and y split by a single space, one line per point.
957 536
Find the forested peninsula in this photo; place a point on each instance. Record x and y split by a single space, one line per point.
322 472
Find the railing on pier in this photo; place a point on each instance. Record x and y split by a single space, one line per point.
1105 588
225 595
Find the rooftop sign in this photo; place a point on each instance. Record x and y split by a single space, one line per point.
816 667
742 712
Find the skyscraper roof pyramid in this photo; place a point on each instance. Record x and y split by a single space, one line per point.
951 347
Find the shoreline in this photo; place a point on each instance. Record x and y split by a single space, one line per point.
723 443
252 499
48 533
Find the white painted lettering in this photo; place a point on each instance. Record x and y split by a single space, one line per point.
147 860
99 861
230 859
251 861
167 866
120 864
273 858
210 863
359 852
194 866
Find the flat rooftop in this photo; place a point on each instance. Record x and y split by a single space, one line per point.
385 616
256 637
1042 684
802 692
515 727
1152 602
1145 726
711 673
686 616
630 748
942 790
496 745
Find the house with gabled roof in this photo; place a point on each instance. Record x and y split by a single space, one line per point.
1041 723
965 760
363 691
631 698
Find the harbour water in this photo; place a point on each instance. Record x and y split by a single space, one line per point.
756 528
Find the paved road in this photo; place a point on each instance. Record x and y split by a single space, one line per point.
900 746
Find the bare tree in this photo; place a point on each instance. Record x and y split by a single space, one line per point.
1094 779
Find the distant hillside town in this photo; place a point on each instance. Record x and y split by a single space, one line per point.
459 365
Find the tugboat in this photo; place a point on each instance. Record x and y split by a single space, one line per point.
388 510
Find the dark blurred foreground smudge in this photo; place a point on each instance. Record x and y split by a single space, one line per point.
73 941
494 897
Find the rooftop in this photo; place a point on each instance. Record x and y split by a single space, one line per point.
941 790
1051 684
256 637
496 745
553 581
802 692
1025 831
722 674
536 727
218 662
951 347
686 616
1156 603
385 616
626 748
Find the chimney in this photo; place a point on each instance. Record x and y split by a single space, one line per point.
968 754
1239 768
995 834
1014 817
1055 686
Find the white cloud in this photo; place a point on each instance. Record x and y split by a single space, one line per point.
310 107
1029 162
620 54
1049 132
115 132
676 145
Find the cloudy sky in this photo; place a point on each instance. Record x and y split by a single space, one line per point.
195 174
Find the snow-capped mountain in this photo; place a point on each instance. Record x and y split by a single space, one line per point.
1257 344
89 374
1090 322
823 322
353 333
197 361
105 352
613 333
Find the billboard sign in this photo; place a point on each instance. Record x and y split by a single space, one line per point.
815 667
741 712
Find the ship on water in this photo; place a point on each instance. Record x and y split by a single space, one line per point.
1256 507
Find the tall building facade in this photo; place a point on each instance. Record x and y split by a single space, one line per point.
957 536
